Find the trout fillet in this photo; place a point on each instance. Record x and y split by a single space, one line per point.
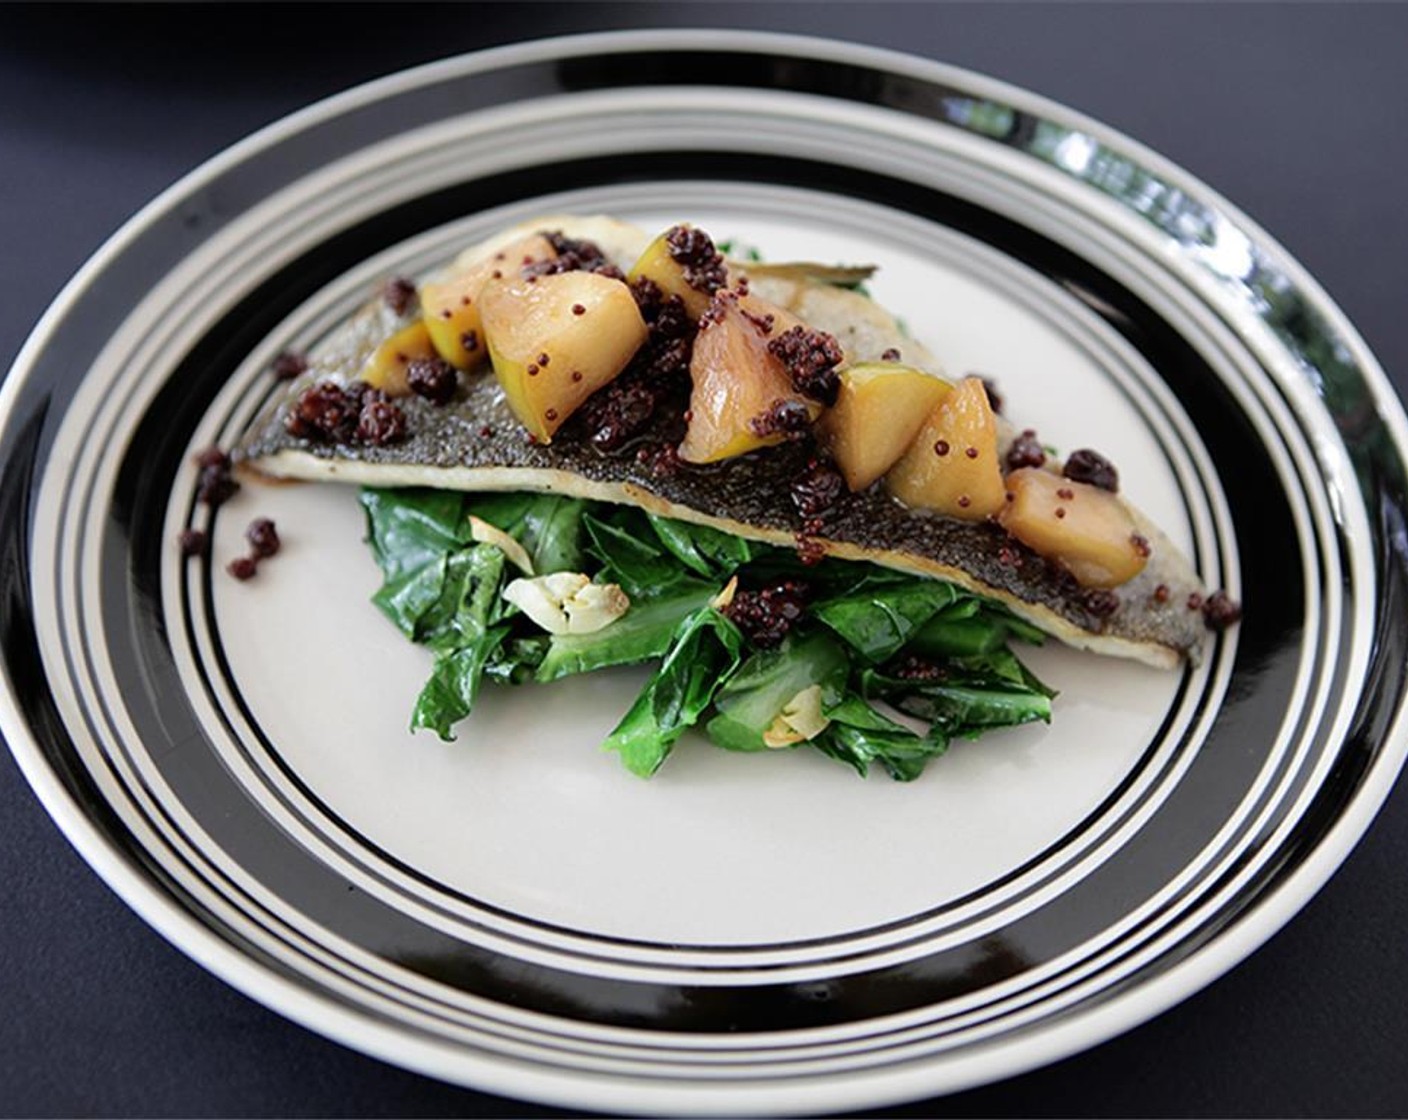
476 444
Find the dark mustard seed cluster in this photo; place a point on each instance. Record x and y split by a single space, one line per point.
572 255
399 294
1092 468
1100 601
434 379
264 542
1026 451
327 412
215 486
915 668
1220 610
790 419
288 365
812 359
192 542
818 488
703 265
766 615
650 394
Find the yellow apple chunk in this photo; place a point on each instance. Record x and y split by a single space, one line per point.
658 265
877 415
555 340
1084 528
738 386
386 369
952 466
450 307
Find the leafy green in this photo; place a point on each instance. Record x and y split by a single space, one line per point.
968 628
468 602
738 251
755 695
974 694
1018 628
549 526
948 636
443 590
709 552
454 683
644 632
920 648
412 535
408 529
515 660
630 558
461 628
705 652
860 736
877 621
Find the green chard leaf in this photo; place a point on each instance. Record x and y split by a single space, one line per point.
412 533
705 652
515 660
454 683
644 632
752 699
861 736
407 597
1018 628
709 552
949 636
878 620
963 705
548 526
469 601
412 528
630 558
443 590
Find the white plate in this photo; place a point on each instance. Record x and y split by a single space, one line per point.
741 933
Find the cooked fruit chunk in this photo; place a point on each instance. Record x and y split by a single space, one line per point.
878 413
386 369
683 262
555 340
742 397
450 307
952 466
1084 528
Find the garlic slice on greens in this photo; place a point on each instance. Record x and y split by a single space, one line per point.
568 602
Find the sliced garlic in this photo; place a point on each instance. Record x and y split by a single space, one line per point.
595 606
568 602
800 719
724 598
481 531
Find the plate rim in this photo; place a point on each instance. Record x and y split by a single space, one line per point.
354 1028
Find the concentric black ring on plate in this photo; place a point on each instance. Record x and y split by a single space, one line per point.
448 1006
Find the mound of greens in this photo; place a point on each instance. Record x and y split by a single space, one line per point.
869 637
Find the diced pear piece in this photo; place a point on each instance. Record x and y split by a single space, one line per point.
952 465
658 264
386 369
1087 530
450 307
877 415
738 386
555 340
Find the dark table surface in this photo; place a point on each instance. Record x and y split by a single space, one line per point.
1292 111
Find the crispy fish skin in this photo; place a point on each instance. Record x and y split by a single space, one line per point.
476 444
